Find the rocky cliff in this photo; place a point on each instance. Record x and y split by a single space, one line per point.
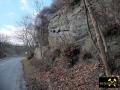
69 26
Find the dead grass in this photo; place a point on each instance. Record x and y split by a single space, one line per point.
28 71
28 68
32 82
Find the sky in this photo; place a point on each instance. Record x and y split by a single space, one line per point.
12 11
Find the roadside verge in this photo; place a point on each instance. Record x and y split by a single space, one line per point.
32 82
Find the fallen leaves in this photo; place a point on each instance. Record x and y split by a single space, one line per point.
79 77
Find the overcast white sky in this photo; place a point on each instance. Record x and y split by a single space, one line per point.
12 12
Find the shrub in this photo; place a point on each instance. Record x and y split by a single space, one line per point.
30 56
112 30
75 2
50 55
46 63
87 55
72 53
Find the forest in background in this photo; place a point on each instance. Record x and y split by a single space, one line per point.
8 49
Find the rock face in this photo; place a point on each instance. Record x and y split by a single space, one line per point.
41 35
68 25
41 30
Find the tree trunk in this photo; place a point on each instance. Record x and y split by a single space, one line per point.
101 46
88 25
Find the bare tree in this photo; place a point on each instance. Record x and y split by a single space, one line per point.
99 37
27 33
